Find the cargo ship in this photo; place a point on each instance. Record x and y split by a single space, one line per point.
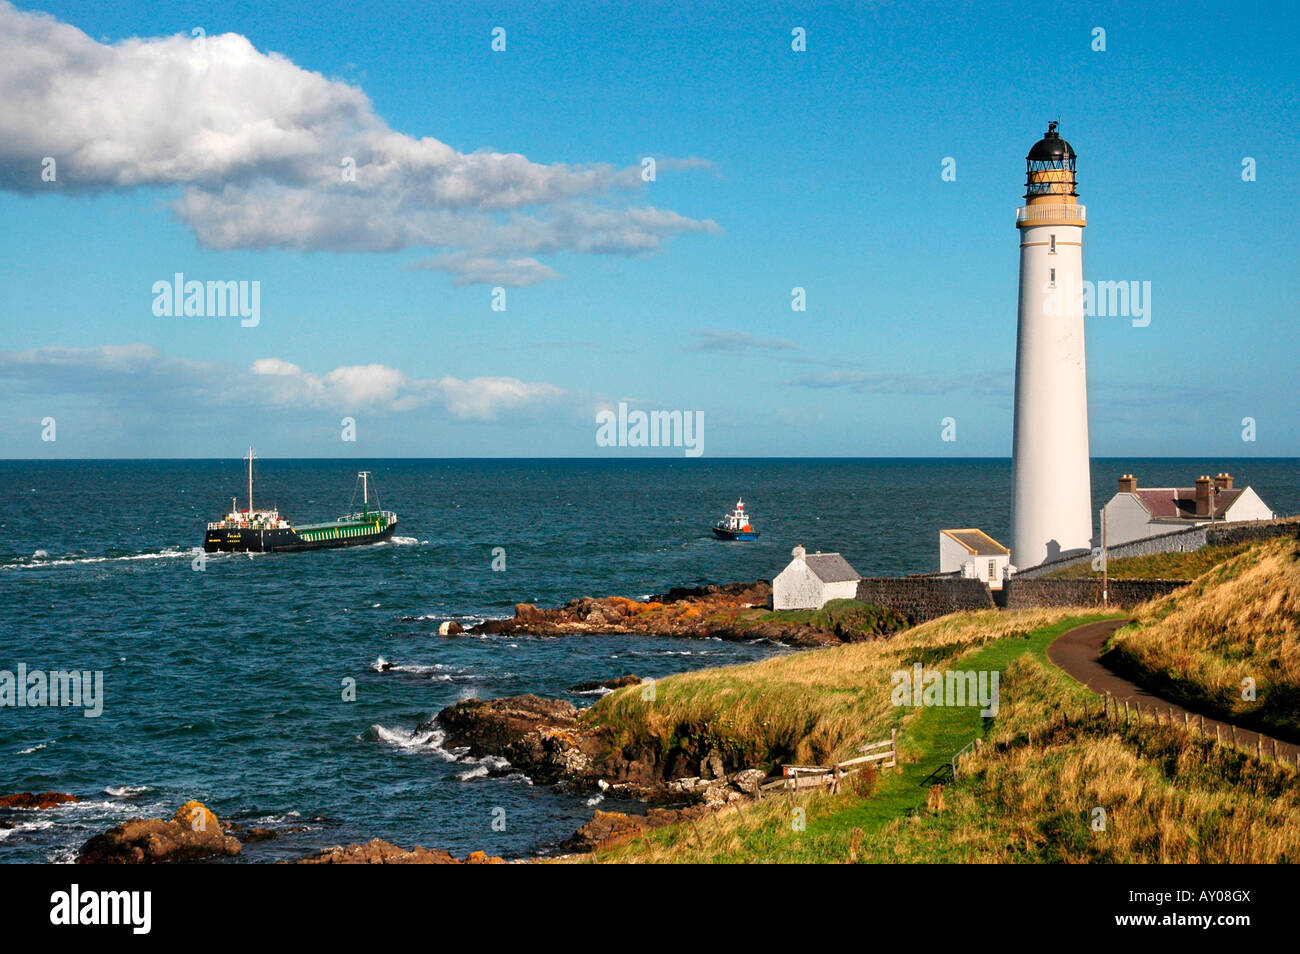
267 531
735 525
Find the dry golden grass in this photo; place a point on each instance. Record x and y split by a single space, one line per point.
1029 797
1169 796
1239 621
809 707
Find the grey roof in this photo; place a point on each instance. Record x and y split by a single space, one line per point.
831 567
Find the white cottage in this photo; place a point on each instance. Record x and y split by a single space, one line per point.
812 580
1138 512
975 555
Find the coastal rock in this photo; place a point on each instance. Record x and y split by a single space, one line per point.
193 832
606 830
380 852
611 829
450 628
733 611
545 739
538 736
34 800
711 766
748 780
610 684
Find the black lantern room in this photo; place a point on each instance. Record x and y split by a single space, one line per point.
1049 167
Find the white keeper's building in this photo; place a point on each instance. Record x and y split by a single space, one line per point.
1135 513
975 555
812 580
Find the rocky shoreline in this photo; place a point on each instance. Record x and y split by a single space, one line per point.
546 739
732 611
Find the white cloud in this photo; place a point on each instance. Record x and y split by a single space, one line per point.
258 144
708 339
141 375
484 270
871 382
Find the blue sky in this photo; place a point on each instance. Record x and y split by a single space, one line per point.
819 169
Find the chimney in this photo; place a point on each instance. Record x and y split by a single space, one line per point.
1203 485
1128 484
1223 482
799 552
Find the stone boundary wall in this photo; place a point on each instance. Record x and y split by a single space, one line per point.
1179 541
922 598
1020 593
1229 533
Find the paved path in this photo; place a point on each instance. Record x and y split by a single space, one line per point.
1077 653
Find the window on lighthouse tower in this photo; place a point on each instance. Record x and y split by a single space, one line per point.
1052 279
1052 249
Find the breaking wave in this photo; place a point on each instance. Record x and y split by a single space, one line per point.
126 791
40 559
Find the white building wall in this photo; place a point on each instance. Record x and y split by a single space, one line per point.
952 555
843 590
1248 506
1051 511
1000 564
796 587
1127 519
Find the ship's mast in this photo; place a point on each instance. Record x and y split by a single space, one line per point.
250 483
365 491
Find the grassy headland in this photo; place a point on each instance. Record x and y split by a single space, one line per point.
1238 621
1032 793
810 707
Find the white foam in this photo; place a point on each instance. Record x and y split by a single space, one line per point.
412 740
404 541
40 824
126 791
487 765
40 559
34 748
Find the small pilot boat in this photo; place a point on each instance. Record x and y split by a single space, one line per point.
735 525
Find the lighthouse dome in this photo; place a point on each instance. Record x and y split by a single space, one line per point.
1050 147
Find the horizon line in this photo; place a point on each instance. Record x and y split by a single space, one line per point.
647 459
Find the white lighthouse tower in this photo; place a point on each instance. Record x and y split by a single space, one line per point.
1051 508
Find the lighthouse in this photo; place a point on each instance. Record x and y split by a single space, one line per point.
1051 507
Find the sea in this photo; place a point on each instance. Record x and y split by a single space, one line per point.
227 679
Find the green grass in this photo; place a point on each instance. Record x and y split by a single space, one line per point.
937 733
929 738
843 616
